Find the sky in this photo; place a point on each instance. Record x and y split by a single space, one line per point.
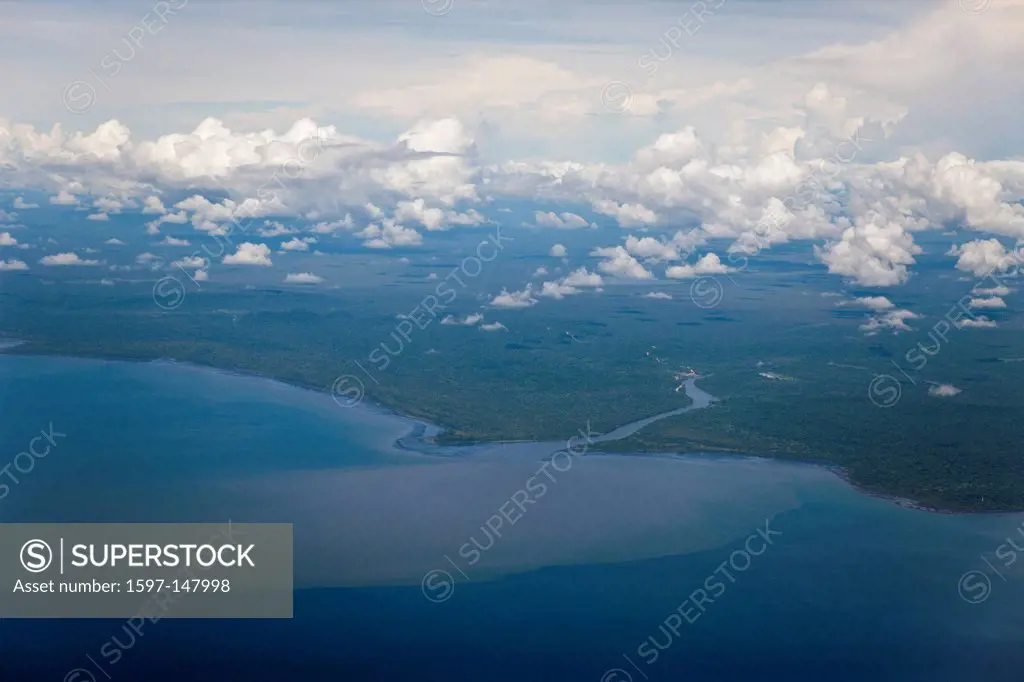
849 126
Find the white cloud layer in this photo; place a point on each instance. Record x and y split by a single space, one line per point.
805 124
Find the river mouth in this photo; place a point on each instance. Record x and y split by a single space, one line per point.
420 438
701 400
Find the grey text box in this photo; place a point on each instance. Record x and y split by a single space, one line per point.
146 570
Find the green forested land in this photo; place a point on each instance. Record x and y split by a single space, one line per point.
536 382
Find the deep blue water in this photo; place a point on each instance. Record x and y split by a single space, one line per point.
853 588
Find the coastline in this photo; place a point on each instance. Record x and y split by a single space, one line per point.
904 502
424 435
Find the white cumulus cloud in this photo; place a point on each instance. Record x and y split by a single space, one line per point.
302 278
870 302
708 264
468 321
991 303
943 390
982 257
619 263
67 258
249 253
561 221
514 299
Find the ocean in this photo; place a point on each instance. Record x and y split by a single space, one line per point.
493 562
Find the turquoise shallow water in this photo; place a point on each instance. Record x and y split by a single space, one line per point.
581 583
